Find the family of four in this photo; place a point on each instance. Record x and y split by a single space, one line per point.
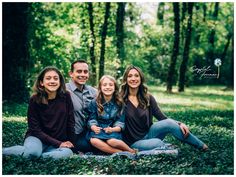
75 117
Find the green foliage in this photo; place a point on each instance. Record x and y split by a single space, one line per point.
59 33
208 111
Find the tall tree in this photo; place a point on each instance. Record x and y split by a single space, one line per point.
160 13
103 39
183 66
211 39
184 10
15 51
120 16
92 44
204 11
231 83
175 48
223 55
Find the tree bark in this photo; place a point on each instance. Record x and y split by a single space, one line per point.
92 45
232 65
229 36
210 54
184 10
120 16
175 48
183 67
103 40
160 13
204 11
15 51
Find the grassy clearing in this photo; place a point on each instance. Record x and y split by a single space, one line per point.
208 111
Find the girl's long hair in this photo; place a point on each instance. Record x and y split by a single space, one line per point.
142 95
116 96
40 94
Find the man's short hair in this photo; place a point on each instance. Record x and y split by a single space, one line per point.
77 61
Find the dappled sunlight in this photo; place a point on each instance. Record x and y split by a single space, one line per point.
201 97
191 91
14 119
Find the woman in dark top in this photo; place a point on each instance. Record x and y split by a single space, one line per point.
140 131
50 119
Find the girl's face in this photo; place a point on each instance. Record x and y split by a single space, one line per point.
107 87
51 82
133 79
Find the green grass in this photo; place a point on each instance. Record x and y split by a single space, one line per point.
208 111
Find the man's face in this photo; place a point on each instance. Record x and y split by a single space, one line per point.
80 74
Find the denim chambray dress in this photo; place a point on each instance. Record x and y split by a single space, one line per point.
111 117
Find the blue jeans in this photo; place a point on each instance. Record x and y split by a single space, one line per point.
158 131
82 143
34 148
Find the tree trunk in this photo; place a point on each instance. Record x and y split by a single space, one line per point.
210 54
160 13
229 36
120 15
93 74
15 51
184 63
103 40
204 12
231 79
232 64
184 10
175 48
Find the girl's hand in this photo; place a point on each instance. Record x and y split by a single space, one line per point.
184 129
66 144
108 130
96 129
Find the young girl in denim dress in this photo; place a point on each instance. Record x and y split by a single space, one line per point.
106 119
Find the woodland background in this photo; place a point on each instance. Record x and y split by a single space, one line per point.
167 40
175 44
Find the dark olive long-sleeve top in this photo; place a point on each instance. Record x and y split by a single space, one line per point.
139 120
52 123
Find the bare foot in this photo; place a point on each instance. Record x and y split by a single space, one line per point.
204 147
134 151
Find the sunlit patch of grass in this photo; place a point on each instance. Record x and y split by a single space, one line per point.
208 98
15 119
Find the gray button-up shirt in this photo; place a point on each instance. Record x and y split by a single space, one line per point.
81 100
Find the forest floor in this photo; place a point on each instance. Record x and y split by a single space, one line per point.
207 110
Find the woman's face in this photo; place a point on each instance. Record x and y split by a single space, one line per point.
107 87
133 79
51 82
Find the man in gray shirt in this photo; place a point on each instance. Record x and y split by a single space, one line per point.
81 95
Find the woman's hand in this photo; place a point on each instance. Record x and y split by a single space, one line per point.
66 144
184 129
96 129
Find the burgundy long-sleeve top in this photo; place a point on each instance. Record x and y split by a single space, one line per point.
52 123
139 120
